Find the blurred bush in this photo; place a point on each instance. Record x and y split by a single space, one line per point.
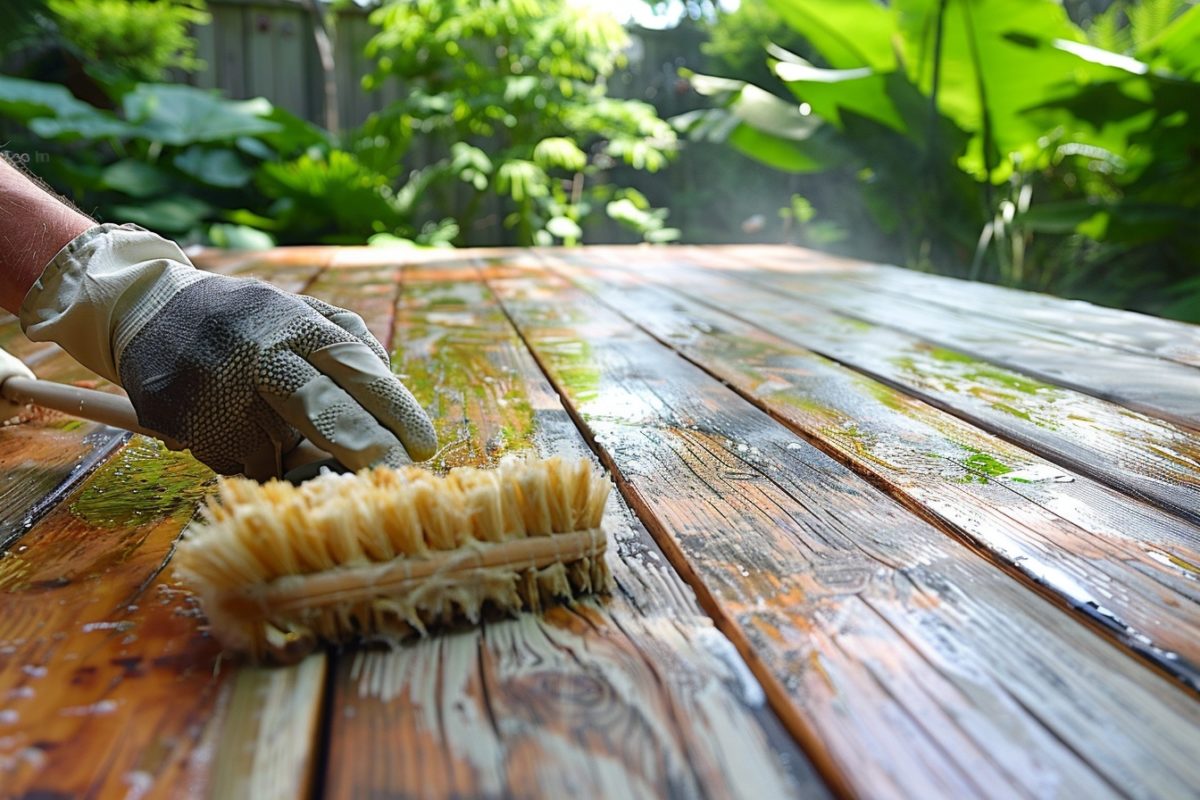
996 139
512 96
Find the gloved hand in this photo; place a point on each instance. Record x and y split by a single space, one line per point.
234 369
11 367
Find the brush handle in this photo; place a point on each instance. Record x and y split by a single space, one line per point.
109 409
117 411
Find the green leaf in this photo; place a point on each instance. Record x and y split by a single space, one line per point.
134 178
215 167
559 151
1061 217
522 180
180 115
171 215
239 237
847 33
1178 45
24 100
831 92
774 151
564 228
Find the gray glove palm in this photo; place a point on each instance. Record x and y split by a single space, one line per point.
234 369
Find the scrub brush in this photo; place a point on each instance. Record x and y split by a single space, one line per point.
386 553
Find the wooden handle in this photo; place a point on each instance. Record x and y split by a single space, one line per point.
117 411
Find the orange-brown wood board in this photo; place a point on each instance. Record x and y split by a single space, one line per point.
876 533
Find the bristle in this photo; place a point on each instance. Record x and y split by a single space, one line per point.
375 534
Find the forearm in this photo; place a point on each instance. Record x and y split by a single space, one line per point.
34 226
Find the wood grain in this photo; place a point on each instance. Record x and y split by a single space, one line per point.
871 631
1062 531
1125 330
108 684
1154 386
636 695
43 454
1141 456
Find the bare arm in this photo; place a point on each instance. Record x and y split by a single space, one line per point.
34 226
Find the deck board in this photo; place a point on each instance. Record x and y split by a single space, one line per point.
1063 531
1125 330
1139 455
633 696
848 557
1151 385
865 624
44 454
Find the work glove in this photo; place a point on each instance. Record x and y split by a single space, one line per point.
11 367
234 369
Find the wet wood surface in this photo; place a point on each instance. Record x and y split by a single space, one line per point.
871 539
1063 531
636 696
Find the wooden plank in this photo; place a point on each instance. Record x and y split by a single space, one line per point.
1142 456
1123 564
1125 330
96 635
291 269
1154 386
43 454
914 663
108 684
634 696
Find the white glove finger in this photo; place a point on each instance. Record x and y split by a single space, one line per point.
356 369
333 420
351 323
11 367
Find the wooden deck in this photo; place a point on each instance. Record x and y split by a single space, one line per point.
878 534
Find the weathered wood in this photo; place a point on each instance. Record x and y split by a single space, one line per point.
1126 330
43 454
1154 386
633 696
108 685
125 693
1062 531
1141 456
917 664
292 269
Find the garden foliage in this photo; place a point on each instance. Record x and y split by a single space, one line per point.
997 139
503 98
512 95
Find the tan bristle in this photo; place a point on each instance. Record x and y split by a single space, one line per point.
389 552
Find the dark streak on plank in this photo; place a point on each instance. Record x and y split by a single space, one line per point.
44 454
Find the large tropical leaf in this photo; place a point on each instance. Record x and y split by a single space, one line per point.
848 33
179 115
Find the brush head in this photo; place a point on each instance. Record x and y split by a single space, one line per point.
386 553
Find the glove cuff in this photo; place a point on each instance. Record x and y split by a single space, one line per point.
101 289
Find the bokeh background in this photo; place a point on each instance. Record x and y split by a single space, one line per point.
1034 143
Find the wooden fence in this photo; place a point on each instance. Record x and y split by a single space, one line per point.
266 48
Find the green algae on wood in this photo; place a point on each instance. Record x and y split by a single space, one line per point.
143 483
445 352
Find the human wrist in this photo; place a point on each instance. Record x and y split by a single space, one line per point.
37 225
